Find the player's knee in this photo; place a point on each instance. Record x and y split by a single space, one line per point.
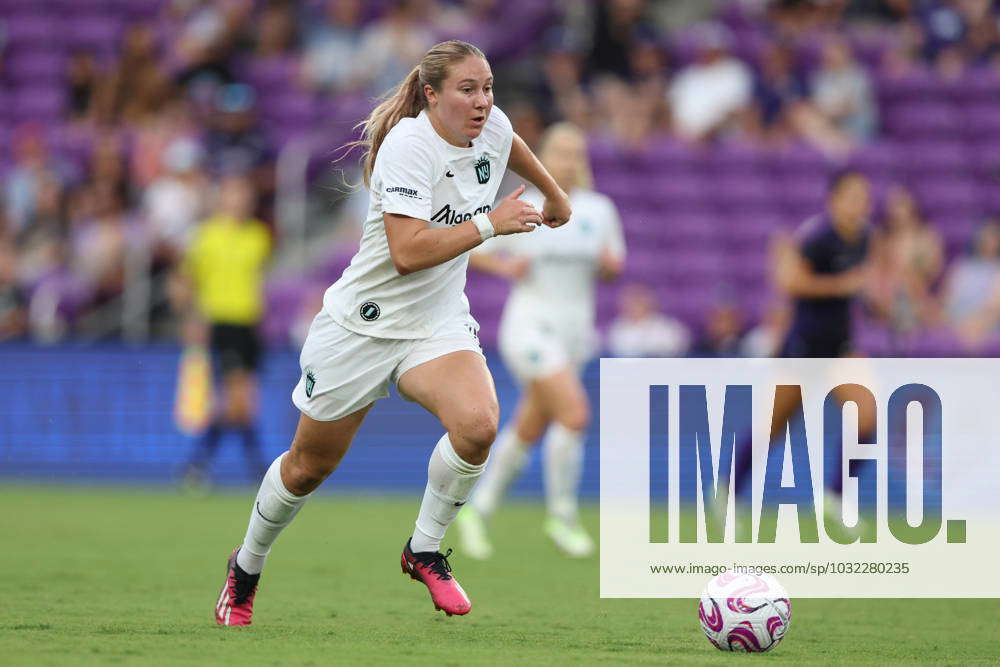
477 427
576 416
304 472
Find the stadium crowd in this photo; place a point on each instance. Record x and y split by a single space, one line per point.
155 103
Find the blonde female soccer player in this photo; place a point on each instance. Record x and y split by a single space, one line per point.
546 336
436 151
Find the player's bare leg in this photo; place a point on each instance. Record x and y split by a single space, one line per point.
564 400
508 458
458 389
316 451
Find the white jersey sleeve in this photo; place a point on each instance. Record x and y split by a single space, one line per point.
403 176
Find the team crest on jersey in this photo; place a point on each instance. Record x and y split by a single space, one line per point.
310 384
483 170
370 311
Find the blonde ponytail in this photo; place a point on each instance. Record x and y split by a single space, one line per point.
407 99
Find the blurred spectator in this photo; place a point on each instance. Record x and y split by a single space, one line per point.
98 245
48 219
208 34
842 92
328 62
641 330
151 139
468 20
108 169
723 331
13 302
621 111
137 85
905 55
527 120
276 31
911 256
943 26
234 141
617 24
972 286
982 42
561 91
391 45
778 89
82 80
765 339
32 165
708 95
175 202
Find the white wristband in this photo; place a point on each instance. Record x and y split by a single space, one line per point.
483 224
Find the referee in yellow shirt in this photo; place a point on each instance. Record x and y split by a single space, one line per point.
223 279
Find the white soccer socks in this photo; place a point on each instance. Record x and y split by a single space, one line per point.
449 484
507 460
274 508
563 452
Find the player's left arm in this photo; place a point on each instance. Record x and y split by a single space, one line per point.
611 261
556 209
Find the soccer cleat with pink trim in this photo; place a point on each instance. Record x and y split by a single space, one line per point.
235 604
434 571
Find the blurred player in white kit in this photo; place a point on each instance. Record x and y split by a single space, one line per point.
546 337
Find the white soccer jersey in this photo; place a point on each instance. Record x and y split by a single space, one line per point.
420 175
559 288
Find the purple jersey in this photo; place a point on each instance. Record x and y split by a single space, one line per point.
822 326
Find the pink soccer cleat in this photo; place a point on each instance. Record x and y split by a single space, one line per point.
235 605
433 569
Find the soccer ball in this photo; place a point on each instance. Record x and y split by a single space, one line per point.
744 612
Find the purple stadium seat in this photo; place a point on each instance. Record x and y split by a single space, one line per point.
676 192
43 103
665 155
879 160
918 85
271 75
805 189
691 230
980 85
947 196
752 230
737 158
91 30
935 157
31 28
293 108
743 192
800 160
981 120
35 66
922 119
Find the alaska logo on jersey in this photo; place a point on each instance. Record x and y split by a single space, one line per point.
450 216
483 170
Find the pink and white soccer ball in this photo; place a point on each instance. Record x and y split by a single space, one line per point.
744 612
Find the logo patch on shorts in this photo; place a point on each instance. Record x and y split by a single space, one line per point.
310 383
370 311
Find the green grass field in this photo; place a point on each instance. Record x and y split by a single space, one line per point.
118 577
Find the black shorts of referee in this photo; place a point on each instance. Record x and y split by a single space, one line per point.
235 347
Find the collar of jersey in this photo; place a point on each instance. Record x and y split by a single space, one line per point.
454 150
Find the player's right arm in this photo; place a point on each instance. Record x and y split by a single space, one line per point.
415 245
794 276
